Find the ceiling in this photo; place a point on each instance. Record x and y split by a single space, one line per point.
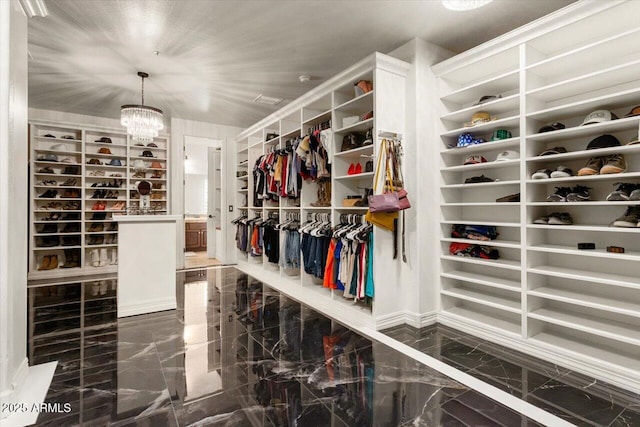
216 56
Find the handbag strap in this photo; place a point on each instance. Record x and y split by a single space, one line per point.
376 177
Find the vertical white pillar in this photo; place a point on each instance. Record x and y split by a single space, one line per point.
13 200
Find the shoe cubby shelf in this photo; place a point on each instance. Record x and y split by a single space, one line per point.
336 101
82 148
544 292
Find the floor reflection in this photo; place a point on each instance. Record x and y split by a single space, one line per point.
234 353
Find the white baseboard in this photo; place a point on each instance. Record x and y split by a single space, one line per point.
391 320
582 363
149 307
428 319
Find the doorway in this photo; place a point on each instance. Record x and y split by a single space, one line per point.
202 201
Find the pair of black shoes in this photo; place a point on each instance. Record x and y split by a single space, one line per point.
71 241
116 183
95 240
72 258
71 217
72 227
48 242
49 194
49 228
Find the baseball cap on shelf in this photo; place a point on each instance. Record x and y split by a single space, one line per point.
603 141
554 150
68 137
104 150
59 147
68 160
473 160
487 98
500 134
507 155
635 111
156 165
479 118
466 139
115 162
49 158
152 144
147 153
104 139
599 116
551 127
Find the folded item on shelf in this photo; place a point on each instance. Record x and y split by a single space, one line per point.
473 251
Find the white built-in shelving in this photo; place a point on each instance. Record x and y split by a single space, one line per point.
332 101
579 305
93 180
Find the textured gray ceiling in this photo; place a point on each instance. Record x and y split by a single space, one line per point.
217 56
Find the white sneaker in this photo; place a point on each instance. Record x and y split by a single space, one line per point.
104 257
95 258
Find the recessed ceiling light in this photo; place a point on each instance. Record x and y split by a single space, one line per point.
464 4
268 100
304 78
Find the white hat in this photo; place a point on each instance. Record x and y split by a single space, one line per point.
507 155
599 116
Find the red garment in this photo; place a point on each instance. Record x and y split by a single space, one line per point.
328 268
283 178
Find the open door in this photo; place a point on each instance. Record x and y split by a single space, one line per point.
214 201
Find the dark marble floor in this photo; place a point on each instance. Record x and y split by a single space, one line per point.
236 353
571 396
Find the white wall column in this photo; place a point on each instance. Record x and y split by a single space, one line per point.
13 200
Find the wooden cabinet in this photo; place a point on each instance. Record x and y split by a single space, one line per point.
196 236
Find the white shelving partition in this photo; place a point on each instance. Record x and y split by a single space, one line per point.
577 308
104 173
333 100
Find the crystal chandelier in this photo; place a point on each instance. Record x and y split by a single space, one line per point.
464 4
142 122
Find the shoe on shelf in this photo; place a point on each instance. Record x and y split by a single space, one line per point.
104 258
49 194
561 172
94 256
614 164
592 167
560 195
72 258
629 219
541 174
46 260
579 193
513 198
541 220
623 192
49 228
635 194
352 169
560 218
114 256
49 262
478 179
